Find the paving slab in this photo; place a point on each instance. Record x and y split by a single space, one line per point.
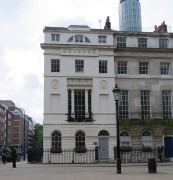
25 171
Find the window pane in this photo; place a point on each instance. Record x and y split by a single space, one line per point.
142 42
164 68
143 68
146 139
102 39
124 139
56 140
145 104
79 66
102 66
55 37
167 104
123 105
163 43
79 96
80 140
55 65
78 38
121 42
122 67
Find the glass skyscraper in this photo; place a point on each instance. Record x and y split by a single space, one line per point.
130 15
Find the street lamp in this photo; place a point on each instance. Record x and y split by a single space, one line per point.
116 92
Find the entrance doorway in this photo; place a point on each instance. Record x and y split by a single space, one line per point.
103 145
168 141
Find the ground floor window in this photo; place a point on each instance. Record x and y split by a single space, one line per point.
56 140
124 139
146 139
80 140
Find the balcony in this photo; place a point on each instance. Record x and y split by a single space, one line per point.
143 116
87 117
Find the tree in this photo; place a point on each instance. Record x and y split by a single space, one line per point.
38 135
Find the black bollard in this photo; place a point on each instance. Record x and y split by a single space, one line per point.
152 166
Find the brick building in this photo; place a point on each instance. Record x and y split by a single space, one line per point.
12 123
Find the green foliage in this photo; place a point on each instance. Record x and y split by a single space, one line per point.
126 122
149 122
38 134
170 122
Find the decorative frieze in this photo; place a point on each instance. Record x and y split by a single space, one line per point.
75 82
79 52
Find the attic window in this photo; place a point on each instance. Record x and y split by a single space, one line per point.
79 39
70 39
87 40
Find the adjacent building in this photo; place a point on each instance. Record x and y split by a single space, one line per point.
81 67
130 15
14 123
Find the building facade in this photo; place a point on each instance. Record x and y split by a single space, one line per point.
130 15
81 67
13 125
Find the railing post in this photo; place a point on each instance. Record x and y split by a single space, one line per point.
96 153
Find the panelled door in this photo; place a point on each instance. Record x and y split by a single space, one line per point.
103 148
168 146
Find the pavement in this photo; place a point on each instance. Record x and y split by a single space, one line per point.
101 171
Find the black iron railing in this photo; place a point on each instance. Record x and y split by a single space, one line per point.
74 117
142 116
140 155
69 156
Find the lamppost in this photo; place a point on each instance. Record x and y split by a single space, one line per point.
116 92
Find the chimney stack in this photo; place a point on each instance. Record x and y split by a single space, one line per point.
162 28
107 24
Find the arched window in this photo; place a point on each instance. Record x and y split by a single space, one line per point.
79 39
87 40
124 139
56 140
70 39
146 139
80 140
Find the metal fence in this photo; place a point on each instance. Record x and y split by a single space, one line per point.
69 156
138 156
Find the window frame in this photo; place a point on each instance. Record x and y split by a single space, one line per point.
142 42
79 104
80 140
121 42
79 66
55 65
163 43
122 67
55 37
145 104
147 139
165 68
167 104
79 38
124 104
102 39
144 68
103 66
124 139
56 144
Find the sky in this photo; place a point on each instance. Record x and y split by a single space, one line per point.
21 32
